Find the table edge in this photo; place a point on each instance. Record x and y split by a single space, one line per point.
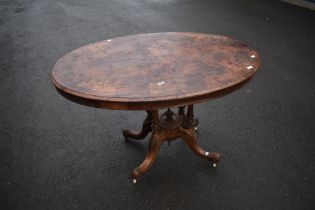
150 105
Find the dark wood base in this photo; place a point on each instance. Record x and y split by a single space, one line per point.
168 127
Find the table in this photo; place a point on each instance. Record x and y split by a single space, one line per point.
157 71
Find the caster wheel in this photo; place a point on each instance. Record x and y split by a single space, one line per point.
134 181
214 165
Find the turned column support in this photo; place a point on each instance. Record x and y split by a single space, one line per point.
190 121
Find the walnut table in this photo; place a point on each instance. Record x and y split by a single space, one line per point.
156 71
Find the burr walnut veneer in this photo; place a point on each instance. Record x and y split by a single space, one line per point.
156 71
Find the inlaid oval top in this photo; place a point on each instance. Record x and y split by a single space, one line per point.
157 70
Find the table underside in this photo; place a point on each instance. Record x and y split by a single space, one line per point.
169 126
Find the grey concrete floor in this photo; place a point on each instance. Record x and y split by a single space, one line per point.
55 154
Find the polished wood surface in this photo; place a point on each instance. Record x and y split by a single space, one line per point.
154 71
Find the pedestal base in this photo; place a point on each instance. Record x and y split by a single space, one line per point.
168 127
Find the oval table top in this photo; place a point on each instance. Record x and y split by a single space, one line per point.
154 71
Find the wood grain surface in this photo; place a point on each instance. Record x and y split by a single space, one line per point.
153 71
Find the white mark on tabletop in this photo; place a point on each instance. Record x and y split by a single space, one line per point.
161 83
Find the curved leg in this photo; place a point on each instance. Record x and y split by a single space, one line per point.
153 150
190 138
146 129
166 128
